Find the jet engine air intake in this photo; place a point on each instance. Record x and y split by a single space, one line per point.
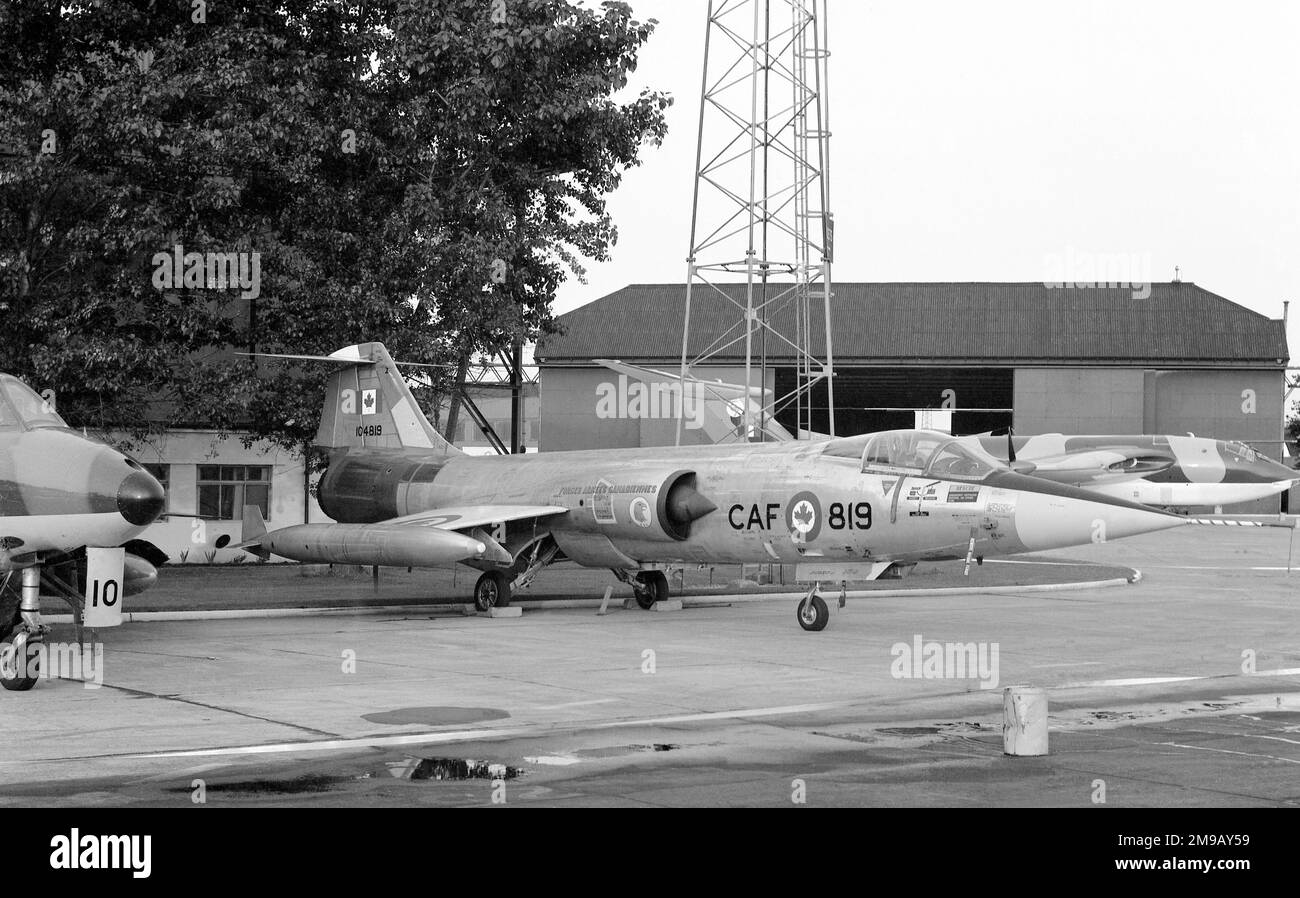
680 504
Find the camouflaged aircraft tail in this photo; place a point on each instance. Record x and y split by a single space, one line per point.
368 404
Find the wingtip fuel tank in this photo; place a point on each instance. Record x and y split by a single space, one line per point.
411 546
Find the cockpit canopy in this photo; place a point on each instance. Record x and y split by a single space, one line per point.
918 452
22 409
1242 451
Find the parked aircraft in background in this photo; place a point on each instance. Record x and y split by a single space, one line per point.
61 494
840 509
1163 471
1166 471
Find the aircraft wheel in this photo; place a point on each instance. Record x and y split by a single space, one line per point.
653 588
813 613
644 597
492 591
10 666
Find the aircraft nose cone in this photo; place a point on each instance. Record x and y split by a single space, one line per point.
1054 516
140 498
1045 521
1276 471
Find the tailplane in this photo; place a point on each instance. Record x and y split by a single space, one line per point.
368 404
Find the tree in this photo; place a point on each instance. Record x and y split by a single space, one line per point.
1293 431
421 173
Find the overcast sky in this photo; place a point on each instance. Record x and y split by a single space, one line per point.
980 141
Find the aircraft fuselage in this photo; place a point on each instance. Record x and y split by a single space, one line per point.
784 503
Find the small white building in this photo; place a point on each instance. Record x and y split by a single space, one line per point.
210 479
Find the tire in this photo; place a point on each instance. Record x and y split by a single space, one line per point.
9 678
813 614
492 591
654 588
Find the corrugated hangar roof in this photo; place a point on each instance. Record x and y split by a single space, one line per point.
1024 324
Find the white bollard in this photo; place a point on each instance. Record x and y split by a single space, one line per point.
1024 721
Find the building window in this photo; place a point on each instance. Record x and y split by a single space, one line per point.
162 474
224 490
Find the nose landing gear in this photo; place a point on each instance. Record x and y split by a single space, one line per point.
812 611
19 638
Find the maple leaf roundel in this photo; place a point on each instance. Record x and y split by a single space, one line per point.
803 516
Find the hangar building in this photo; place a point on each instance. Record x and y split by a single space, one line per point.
1168 358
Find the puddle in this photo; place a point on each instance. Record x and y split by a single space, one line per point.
451 769
435 716
553 760
851 737
312 782
909 731
615 751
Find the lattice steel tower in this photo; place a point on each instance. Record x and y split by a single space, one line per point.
761 204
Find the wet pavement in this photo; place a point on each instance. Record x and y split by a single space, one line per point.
1180 689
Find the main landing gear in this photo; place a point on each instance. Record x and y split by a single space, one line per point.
495 588
647 586
653 588
492 591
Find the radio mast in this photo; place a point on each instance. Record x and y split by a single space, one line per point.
761 207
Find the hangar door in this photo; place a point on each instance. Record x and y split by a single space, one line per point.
872 399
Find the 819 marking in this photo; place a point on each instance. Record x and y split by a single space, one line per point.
843 516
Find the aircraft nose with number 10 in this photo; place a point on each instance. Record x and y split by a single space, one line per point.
839 509
71 509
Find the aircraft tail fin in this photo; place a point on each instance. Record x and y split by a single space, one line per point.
254 526
252 531
712 407
368 404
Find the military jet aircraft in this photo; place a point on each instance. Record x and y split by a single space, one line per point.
71 509
841 509
1165 471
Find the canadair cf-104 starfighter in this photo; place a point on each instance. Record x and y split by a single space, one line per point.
840 509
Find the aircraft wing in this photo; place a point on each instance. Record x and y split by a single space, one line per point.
466 516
